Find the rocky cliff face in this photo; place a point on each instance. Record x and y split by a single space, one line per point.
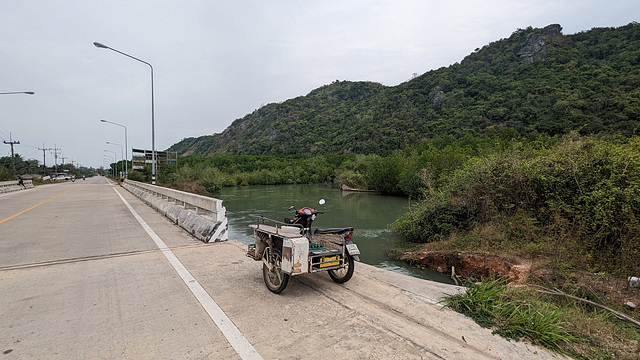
534 47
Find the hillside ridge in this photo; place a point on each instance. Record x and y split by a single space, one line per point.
535 81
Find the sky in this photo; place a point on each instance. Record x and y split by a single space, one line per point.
216 61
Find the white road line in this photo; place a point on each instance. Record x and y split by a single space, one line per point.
240 344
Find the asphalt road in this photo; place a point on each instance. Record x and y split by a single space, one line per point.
89 271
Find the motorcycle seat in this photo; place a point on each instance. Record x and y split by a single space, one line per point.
333 230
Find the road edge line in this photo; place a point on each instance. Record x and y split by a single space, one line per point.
240 344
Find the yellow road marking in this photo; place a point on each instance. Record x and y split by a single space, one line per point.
35 206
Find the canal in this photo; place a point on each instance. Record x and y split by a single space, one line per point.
370 214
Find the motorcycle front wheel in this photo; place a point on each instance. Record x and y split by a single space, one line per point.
275 279
344 274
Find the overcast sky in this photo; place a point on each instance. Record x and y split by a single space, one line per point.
216 61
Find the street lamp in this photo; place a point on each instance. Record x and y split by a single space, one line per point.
111 159
121 154
18 92
153 136
115 157
126 147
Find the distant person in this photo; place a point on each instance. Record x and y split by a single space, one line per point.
21 182
121 180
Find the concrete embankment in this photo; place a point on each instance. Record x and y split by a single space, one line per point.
203 217
10 186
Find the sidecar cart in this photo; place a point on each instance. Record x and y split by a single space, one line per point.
285 252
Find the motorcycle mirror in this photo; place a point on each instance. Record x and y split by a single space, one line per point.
292 207
321 202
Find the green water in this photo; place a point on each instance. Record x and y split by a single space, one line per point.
368 213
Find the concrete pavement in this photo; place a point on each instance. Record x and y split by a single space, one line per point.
80 277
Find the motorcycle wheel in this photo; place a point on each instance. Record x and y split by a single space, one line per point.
344 274
275 279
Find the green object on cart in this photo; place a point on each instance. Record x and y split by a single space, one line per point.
315 246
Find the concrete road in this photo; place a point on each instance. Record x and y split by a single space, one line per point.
88 271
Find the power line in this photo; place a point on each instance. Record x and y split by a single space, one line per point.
5 134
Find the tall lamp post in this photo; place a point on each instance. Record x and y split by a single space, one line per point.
126 147
108 158
115 157
153 136
121 155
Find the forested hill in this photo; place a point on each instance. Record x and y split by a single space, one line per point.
537 80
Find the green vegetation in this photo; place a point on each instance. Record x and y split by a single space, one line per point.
31 166
570 328
492 305
22 167
210 174
570 205
576 201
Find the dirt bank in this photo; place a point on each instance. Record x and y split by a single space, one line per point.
466 265
520 271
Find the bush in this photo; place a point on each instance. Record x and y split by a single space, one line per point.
434 219
136 176
583 194
383 174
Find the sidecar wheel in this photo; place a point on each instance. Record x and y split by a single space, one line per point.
343 275
275 279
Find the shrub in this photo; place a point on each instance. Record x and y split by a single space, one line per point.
583 193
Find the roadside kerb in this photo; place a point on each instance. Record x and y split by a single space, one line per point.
9 186
203 217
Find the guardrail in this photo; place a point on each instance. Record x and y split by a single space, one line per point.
9 186
204 217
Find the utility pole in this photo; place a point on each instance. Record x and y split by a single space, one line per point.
55 156
13 159
44 159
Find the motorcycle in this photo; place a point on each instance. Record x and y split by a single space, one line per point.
290 247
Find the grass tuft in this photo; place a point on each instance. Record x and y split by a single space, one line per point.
491 305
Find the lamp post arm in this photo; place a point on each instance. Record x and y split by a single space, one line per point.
99 45
17 92
153 133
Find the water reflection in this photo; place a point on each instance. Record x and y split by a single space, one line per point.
368 213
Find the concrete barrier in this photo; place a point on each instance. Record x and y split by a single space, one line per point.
9 186
204 217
